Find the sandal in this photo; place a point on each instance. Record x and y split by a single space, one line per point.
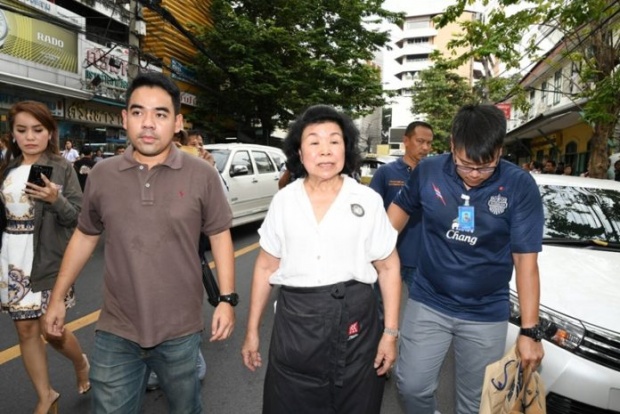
83 383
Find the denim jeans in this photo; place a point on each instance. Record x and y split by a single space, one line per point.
119 368
426 335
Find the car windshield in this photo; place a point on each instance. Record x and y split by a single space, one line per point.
220 156
579 213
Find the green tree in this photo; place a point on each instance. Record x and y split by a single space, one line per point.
589 29
438 94
268 60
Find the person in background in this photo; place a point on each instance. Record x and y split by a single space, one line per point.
195 139
391 177
536 167
560 168
568 170
325 240
69 153
98 155
84 165
482 217
40 220
549 167
120 150
617 170
152 213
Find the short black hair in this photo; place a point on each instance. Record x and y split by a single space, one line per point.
480 131
159 80
412 126
87 150
318 114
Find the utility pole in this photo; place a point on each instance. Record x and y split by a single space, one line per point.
136 27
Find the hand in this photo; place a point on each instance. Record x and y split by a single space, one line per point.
386 354
530 351
55 318
47 193
223 322
249 351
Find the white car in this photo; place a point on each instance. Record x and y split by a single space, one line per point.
580 295
251 173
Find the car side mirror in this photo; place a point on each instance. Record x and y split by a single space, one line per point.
239 169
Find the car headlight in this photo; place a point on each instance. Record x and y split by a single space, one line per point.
562 330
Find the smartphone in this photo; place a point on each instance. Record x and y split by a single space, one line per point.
35 174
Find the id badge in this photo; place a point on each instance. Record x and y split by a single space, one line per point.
466 220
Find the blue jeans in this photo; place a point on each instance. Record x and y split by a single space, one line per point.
118 374
426 335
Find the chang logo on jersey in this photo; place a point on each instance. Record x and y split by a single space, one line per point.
458 236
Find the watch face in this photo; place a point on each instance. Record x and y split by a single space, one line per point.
4 28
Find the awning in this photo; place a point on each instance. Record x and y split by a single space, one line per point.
544 124
38 85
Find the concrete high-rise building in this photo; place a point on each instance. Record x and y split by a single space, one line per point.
409 53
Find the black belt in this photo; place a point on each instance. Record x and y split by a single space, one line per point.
319 289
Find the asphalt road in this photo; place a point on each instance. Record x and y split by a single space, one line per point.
228 387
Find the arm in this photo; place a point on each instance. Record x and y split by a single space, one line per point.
528 290
78 252
390 283
264 267
223 321
398 217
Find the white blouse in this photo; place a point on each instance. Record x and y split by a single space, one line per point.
354 232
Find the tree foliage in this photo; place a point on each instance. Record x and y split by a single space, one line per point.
439 93
590 41
268 60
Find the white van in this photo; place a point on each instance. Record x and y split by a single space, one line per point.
251 173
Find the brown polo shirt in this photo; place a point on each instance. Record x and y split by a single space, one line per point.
152 287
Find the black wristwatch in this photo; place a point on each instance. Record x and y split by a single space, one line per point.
535 332
231 299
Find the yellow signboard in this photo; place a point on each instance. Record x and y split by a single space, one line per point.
37 41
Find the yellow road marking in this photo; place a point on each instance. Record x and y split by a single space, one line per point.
14 352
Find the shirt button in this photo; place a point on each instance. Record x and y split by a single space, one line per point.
141 167
147 185
318 258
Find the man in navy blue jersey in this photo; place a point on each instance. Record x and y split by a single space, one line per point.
481 217
391 177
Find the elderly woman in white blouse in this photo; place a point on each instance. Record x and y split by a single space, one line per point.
326 239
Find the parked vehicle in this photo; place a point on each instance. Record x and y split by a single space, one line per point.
371 163
580 294
251 173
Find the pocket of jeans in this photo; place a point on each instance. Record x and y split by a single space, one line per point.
302 343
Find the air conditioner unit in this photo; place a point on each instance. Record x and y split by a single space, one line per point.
139 28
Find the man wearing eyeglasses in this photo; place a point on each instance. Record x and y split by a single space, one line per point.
481 216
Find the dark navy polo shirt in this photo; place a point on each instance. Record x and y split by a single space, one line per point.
466 275
387 181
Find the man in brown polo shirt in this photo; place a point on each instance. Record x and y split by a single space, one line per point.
153 201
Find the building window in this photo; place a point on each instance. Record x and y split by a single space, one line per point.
570 155
418 41
417 24
543 93
530 112
574 77
557 87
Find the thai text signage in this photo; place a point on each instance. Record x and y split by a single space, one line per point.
85 113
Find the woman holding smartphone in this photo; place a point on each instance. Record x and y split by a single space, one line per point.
40 221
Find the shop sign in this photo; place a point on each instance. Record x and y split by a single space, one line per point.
188 99
505 108
182 72
83 113
38 41
56 106
111 64
52 9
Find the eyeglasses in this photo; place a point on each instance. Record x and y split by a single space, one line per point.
469 170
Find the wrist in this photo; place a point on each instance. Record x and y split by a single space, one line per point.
391 332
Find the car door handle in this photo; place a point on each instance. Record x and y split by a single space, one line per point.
254 180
